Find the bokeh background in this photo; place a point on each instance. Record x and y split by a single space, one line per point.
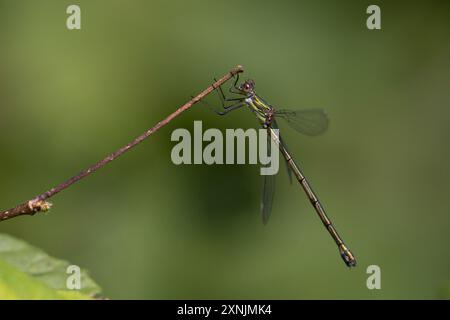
148 229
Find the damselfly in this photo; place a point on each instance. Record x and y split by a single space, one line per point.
310 122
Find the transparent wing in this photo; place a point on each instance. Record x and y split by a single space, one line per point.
311 122
267 197
268 189
288 168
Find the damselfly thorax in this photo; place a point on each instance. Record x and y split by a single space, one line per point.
263 111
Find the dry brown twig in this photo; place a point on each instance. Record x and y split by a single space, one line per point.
40 203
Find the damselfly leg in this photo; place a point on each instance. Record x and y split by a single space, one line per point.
227 104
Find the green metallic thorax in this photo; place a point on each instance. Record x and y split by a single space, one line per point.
259 107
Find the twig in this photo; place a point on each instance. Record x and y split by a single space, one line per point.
39 203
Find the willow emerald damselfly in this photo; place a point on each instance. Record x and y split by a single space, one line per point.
310 122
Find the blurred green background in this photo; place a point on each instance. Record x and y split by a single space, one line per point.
148 229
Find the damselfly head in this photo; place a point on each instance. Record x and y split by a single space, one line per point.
247 86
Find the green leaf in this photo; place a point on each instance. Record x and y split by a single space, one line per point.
27 272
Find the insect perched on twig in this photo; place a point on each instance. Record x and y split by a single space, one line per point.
310 122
